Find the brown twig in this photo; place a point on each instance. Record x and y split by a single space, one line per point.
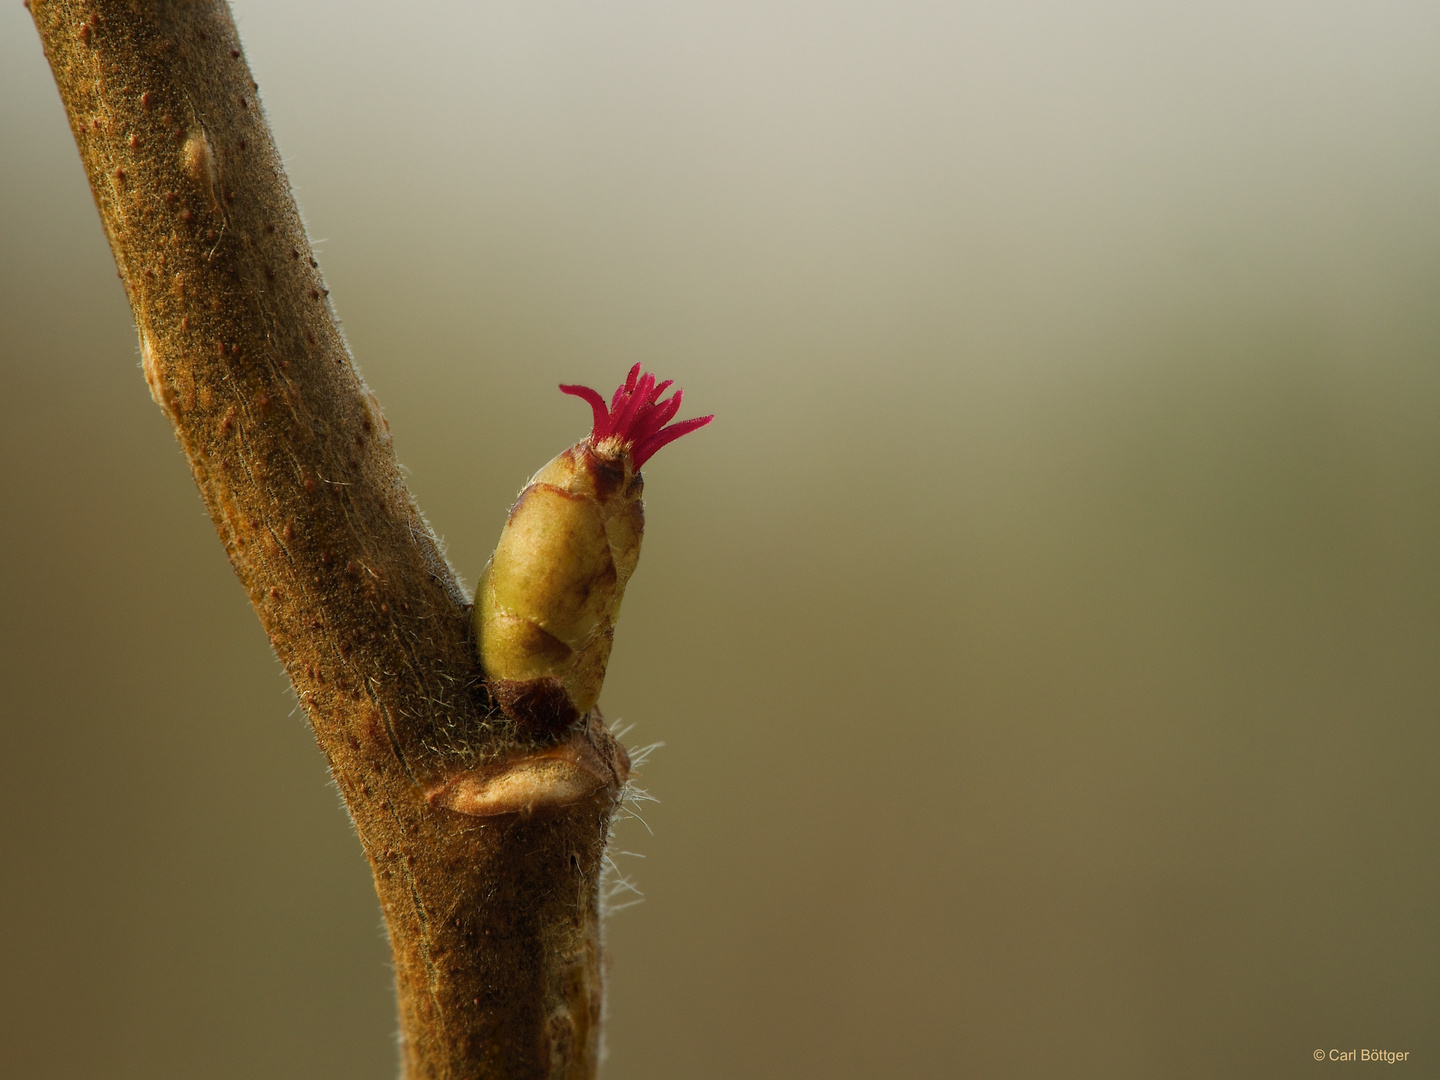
493 919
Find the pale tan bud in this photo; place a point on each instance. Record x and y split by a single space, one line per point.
546 605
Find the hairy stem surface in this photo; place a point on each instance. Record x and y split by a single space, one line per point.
493 920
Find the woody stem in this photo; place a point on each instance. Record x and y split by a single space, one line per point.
493 922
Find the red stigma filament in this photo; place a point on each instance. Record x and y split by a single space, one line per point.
636 417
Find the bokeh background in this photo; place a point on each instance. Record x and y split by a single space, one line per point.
1043 638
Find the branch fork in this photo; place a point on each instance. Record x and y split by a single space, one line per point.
484 829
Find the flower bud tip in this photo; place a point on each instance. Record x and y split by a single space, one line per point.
635 418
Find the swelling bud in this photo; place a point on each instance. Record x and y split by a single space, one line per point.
546 605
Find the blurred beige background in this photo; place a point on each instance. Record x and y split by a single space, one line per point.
1044 636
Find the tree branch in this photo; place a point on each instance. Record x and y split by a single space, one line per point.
493 920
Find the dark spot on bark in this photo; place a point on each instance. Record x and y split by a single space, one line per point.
541 709
234 54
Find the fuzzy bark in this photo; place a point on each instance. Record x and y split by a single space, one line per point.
493 920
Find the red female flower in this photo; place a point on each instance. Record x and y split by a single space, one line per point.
636 417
